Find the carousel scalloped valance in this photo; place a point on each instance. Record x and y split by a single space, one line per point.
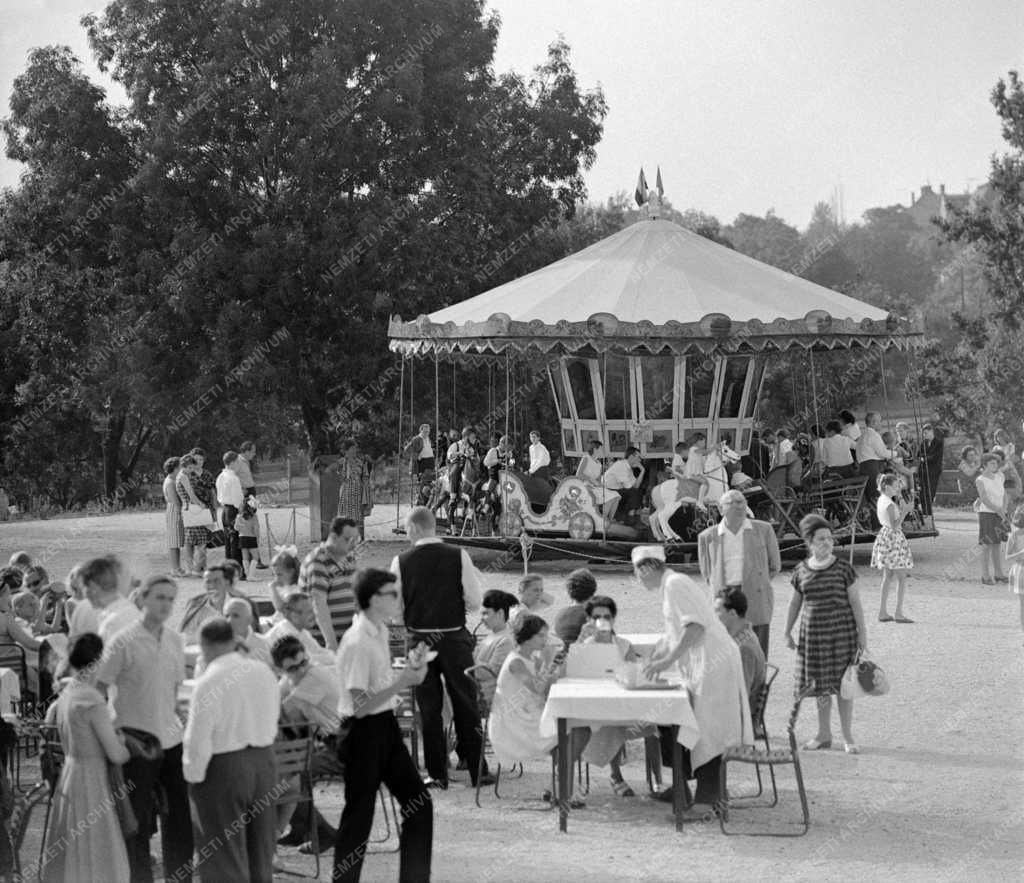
604 333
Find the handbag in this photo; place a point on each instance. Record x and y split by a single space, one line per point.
196 516
217 539
864 677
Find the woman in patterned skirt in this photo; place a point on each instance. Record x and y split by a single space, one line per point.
891 551
354 493
175 527
196 538
832 629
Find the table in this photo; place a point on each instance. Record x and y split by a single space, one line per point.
604 702
644 642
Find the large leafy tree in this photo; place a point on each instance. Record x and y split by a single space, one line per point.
977 383
330 164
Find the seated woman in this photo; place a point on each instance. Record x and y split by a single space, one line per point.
522 689
604 746
532 597
12 632
591 471
492 650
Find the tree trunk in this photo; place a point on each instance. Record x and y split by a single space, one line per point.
111 446
318 438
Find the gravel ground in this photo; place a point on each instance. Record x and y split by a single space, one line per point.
935 794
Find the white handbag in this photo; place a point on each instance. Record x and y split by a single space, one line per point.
196 516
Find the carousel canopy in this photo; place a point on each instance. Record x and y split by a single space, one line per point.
653 287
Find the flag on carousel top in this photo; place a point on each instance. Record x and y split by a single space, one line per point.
642 194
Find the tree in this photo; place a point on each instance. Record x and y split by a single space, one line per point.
977 383
768 239
68 247
329 165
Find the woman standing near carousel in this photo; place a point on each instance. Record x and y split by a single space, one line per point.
175 526
196 537
832 629
354 497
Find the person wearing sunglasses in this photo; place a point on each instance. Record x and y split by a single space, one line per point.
370 743
309 694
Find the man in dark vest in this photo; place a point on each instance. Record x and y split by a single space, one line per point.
440 586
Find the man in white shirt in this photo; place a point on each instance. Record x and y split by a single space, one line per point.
371 744
230 498
243 467
540 458
103 579
299 618
229 761
439 586
619 477
741 554
238 612
145 661
309 693
421 453
872 455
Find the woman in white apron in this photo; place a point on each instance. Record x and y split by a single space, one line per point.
709 662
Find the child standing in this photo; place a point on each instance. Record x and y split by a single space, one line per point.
1015 555
891 552
248 530
991 506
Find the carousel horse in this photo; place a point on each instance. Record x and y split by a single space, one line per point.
574 508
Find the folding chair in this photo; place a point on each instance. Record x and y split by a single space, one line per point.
294 757
51 762
770 758
484 712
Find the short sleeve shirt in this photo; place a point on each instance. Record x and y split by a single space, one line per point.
364 663
320 572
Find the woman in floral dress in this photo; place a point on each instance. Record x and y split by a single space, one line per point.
175 527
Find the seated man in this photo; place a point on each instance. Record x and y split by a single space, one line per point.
620 477
238 612
492 650
298 620
309 694
219 584
731 608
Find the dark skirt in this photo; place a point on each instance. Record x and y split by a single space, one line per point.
248 542
991 529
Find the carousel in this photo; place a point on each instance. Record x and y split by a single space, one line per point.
652 337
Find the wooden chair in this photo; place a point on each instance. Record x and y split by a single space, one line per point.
12 656
294 757
771 758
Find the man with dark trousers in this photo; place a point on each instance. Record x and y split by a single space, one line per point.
439 587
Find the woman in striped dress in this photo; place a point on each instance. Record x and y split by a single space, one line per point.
196 538
832 629
175 527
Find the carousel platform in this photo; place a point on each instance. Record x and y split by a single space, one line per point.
554 547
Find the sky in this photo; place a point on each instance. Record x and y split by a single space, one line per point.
746 106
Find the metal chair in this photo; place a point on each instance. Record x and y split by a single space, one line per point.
770 758
294 757
51 762
758 705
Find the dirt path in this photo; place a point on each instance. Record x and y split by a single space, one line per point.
935 795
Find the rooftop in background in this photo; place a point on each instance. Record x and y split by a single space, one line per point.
929 205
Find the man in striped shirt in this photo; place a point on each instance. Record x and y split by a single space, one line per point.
326 576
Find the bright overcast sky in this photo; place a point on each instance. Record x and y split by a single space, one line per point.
746 105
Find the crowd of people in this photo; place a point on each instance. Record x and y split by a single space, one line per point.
193 758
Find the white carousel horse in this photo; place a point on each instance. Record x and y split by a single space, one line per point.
574 508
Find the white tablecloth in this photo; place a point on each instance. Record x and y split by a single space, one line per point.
643 643
10 689
601 702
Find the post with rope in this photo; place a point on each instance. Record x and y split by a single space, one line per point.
398 474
